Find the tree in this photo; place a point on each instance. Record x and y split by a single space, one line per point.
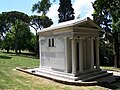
8 41
32 42
107 14
4 25
24 38
14 17
66 12
42 6
37 23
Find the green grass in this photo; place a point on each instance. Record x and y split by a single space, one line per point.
110 68
11 79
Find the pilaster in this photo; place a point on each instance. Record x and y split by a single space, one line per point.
40 50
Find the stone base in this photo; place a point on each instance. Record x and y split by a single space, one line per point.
84 79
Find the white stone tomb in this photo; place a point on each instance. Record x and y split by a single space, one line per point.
70 50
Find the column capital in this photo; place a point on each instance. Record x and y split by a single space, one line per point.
73 37
66 37
77 37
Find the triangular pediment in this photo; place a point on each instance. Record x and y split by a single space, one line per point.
88 24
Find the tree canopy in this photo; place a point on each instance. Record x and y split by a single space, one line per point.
107 15
39 22
66 12
24 38
42 6
4 25
13 18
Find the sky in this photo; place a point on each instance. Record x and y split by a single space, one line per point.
81 7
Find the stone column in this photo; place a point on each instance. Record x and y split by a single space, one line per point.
68 62
81 55
84 54
88 53
97 53
92 53
40 47
74 56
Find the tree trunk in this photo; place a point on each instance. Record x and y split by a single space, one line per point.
116 47
8 48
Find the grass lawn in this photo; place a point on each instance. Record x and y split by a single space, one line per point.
11 79
110 68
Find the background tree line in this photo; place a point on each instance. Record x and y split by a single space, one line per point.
15 31
15 26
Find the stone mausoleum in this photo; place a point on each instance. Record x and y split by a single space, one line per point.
70 51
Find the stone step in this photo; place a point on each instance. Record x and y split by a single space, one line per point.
55 74
97 77
84 77
90 74
53 71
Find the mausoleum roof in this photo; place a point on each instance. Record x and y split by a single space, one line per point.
85 24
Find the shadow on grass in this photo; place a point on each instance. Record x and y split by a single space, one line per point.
5 57
112 86
27 54
10 53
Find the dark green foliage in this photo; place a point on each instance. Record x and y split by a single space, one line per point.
107 15
66 12
106 53
4 25
8 42
13 18
17 23
24 38
32 45
101 16
42 6
39 22
46 22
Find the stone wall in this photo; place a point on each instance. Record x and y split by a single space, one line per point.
53 57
